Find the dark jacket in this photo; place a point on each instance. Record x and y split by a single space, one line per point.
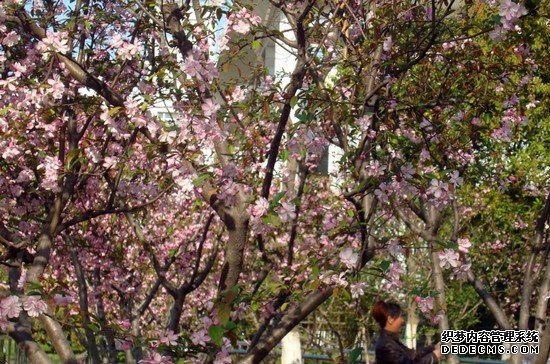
389 350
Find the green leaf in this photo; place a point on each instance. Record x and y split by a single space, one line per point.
256 44
315 272
198 182
293 101
230 326
272 219
223 313
385 265
34 288
284 154
354 355
276 199
72 157
216 334
452 245
114 110
93 327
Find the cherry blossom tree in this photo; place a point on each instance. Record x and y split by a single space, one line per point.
169 239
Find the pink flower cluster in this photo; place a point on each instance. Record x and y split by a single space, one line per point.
11 307
349 257
242 21
393 277
509 12
53 42
425 305
126 51
51 167
450 258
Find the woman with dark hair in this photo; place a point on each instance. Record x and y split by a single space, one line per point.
388 348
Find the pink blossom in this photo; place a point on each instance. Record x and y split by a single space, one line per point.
464 245
287 211
110 162
51 167
19 69
349 257
123 344
169 338
191 66
34 306
25 175
395 270
510 13
364 122
425 305
223 357
456 179
259 208
229 193
126 51
240 312
449 258
9 151
57 88
10 307
461 272
62 300
437 188
382 192
238 95
242 21
358 289
129 51
392 284
53 42
209 107
200 338
10 39
374 169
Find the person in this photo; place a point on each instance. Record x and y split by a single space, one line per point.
388 348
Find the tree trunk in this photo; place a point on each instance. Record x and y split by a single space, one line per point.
291 350
32 350
175 313
91 346
439 285
237 226
411 327
287 323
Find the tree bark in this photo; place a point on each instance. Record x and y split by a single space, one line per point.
237 226
32 350
291 350
91 345
175 313
287 323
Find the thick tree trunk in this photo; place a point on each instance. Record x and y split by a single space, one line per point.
439 285
91 345
175 313
287 323
291 350
237 226
411 327
32 350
